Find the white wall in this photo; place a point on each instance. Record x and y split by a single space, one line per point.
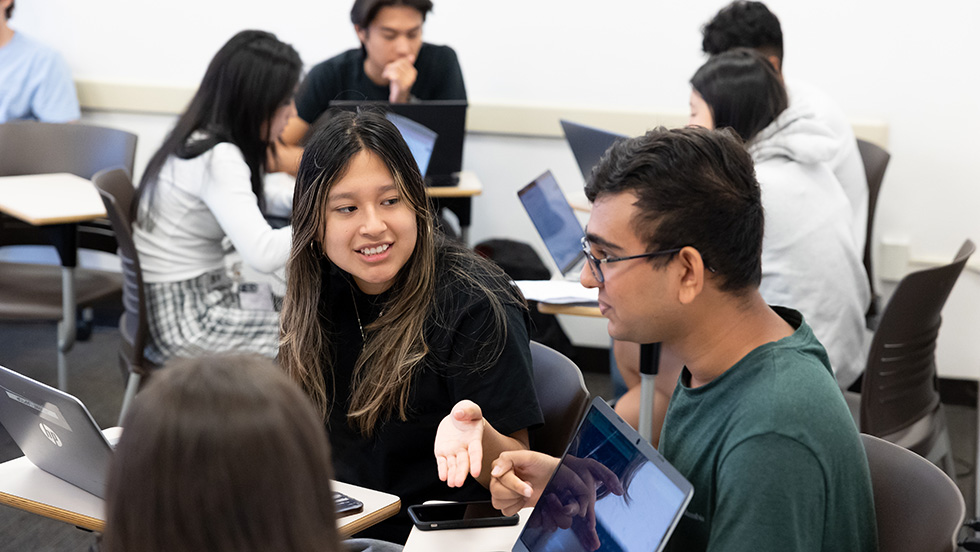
912 66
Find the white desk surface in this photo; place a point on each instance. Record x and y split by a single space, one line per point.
469 186
57 198
27 487
480 539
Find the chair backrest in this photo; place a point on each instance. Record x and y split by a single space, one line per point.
899 384
29 147
117 193
917 506
563 397
875 162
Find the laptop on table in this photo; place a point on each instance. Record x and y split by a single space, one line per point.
55 431
445 118
555 221
640 519
588 144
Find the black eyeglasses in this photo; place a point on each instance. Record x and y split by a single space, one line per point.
595 265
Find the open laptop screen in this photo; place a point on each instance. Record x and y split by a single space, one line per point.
447 118
554 219
637 513
588 144
420 139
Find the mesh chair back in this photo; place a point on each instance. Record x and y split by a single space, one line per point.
563 397
917 506
899 384
117 193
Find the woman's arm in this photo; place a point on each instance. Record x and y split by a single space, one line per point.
228 195
466 444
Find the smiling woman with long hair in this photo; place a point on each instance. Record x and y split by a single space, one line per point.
388 325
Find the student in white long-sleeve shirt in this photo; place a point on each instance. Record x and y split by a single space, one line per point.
204 184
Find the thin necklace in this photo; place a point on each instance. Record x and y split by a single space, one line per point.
360 327
358 315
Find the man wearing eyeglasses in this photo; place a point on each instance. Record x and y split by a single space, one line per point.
757 422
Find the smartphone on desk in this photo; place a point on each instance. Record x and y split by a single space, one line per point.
345 505
458 515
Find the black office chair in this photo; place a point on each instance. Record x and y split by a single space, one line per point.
899 399
117 195
875 161
563 397
918 507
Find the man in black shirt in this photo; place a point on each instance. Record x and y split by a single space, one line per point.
392 64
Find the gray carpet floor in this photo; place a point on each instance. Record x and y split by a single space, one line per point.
96 380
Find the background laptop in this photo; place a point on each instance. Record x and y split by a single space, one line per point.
588 144
554 220
55 431
640 520
420 139
446 118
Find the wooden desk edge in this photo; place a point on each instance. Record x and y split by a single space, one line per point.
46 221
52 512
348 529
578 310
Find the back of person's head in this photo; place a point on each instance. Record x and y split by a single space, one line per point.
364 11
221 453
742 90
747 25
694 187
247 81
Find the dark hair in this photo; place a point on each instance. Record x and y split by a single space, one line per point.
742 90
364 11
10 10
250 77
396 345
221 453
744 24
694 187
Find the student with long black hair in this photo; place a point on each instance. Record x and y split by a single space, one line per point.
205 184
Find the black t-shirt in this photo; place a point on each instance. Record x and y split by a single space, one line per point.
342 77
398 458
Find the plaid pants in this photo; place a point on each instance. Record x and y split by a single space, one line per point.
204 315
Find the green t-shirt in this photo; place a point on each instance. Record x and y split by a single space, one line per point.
773 454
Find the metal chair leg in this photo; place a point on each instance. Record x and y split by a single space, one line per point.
132 386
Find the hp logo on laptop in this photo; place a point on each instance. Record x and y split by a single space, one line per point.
50 434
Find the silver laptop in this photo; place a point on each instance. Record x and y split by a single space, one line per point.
588 144
640 519
555 221
55 431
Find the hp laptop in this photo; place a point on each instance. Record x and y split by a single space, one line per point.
55 431
588 144
636 513
555 221
446 118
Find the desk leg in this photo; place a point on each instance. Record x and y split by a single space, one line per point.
66 328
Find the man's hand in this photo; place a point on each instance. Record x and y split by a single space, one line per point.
401 75
459 443
518 477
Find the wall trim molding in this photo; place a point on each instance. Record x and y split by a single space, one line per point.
483 118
